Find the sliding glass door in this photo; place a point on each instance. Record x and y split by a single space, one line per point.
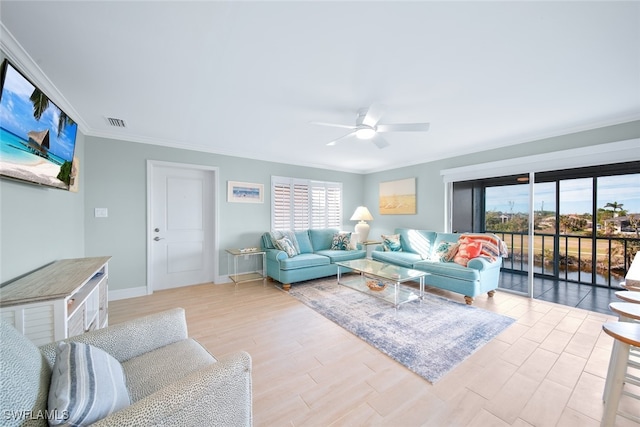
580 226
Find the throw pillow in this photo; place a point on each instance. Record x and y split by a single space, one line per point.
391 242
444 252
341 242
291 235
467 249
87 384
492 246
286 245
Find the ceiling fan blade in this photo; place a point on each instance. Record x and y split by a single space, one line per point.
335 125
335 141
403 127
374 114
379 141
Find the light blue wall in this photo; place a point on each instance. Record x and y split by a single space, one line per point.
116 180
430 189
39 225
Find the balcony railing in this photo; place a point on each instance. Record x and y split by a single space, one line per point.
571 257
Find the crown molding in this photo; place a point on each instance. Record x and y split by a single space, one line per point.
19 57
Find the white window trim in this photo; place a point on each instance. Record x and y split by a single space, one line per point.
594 155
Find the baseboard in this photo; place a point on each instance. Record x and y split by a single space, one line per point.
117 294
221 279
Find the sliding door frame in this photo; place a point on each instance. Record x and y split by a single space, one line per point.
602 154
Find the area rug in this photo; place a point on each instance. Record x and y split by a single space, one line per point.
429 337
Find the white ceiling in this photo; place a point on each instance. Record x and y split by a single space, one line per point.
246 78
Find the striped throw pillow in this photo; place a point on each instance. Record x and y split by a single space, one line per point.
87 384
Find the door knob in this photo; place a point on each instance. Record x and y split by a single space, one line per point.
157 239
156 229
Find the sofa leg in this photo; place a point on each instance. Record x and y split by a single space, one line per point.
491 293
286 286
468 300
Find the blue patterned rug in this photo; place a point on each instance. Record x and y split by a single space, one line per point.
430 337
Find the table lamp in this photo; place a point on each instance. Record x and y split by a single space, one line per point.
362 214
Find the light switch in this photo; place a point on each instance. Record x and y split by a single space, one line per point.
101 213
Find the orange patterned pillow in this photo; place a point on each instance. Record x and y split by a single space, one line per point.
467 250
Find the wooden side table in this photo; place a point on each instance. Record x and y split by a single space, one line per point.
234 255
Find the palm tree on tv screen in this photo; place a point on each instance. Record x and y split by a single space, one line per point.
40 105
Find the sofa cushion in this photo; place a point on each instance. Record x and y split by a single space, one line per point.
403 259
338 256
391 243
303 261
447 269
304 243
266 241
279 234
24 374
492 246
417 241
467 249
321 239
157 369
87 384
444 252
284 244
341 241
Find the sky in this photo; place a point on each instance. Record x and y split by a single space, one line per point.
16 115
575 195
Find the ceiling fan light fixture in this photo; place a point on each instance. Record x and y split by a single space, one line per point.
365 133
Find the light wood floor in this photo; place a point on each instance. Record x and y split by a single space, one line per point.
547 369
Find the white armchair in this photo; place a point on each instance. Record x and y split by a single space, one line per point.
170 378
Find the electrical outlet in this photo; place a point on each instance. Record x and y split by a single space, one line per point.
101 213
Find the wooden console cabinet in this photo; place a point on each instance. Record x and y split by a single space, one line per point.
63 299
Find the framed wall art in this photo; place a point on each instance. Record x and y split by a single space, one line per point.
398 197
244 192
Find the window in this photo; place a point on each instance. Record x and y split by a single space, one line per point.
300 204
586 221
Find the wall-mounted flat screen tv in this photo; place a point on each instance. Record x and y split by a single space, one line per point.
37 139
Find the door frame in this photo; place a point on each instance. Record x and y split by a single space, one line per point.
213 240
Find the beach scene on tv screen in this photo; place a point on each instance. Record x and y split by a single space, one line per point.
37 139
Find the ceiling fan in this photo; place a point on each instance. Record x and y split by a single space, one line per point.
367 126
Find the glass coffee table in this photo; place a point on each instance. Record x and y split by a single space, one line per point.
382 280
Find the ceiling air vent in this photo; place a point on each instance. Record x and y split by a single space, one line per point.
119 123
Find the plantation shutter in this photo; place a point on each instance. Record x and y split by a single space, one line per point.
334 206
300 207
281 206
299 204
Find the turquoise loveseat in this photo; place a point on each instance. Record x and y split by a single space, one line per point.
315 258
422 250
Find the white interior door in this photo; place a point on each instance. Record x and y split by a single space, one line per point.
181 222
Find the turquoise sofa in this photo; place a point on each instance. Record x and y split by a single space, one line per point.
316 258
418 251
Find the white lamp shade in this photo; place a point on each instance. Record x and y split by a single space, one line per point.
361 214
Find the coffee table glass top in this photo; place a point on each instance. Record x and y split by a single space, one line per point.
382 270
